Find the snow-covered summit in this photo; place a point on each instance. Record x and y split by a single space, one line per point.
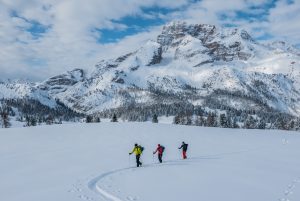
198 64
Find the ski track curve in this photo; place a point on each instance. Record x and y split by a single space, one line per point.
92 184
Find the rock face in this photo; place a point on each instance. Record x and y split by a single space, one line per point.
195 63
61 83
224 45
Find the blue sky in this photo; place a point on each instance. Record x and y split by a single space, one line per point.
138 23
149 17
39 39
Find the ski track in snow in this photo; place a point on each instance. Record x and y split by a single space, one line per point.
92 184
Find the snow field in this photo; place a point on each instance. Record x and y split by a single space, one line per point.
90 162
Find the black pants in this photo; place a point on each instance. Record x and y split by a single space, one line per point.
160 158
138 162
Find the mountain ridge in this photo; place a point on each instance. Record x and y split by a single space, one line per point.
188 63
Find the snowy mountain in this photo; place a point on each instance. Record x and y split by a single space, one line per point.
196 64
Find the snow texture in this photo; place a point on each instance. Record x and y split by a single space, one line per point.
91 162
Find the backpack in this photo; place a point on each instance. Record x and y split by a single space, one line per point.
163 148
141 148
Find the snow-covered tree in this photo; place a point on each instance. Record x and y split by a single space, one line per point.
211 120
89 119
97 119
176 119
223 121
154 119
4 118
200 121
114 118
262 124
189 120
250 122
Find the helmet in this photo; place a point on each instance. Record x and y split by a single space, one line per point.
135 144
158 145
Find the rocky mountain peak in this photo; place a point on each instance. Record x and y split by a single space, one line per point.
175 30
219 44
204 32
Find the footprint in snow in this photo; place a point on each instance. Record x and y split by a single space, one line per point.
71 191
285 141
297 180
130 198
288 192
284 199
84 197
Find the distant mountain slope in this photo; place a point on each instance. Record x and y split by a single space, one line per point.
188 63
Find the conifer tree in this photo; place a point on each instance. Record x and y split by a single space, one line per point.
89 119
154 119
4 118
114 118
97 120
176 119
189 120
223 121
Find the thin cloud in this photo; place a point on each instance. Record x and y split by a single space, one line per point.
39 39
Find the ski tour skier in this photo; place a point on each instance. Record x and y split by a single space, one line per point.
184 147
137 150
160 150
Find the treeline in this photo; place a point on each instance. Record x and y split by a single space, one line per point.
216 112
4 116
32 112
188 114
225 120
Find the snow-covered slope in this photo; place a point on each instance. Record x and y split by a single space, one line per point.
79 162
27 90
188 63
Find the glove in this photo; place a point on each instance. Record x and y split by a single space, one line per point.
129 153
